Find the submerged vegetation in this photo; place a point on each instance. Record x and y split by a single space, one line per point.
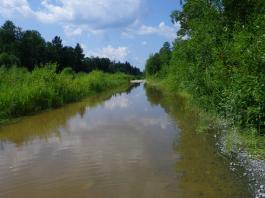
218 58
23 92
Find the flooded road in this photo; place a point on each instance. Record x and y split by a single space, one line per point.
136 144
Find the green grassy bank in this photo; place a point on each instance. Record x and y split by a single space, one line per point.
218 59
23 92
234 137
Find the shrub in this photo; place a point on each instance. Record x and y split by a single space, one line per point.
23 92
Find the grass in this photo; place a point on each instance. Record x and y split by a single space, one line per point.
32 127
23 92
247 140
235 138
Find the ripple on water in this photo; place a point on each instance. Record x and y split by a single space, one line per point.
136 144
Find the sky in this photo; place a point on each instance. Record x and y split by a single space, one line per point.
122 30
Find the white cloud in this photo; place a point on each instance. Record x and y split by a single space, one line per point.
12 8
119 102
72 30
162 29
162 122
79 17
98 13
77 30
84 15
118 54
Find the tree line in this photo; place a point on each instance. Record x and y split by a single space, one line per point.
29 49
218 56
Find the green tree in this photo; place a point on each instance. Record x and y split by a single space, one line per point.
165 54
153 64
10 36
218 57
79 58
28 49
54 52
8 60
32 49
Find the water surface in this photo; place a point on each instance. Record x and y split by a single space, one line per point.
139 143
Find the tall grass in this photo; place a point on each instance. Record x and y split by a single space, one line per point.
23 92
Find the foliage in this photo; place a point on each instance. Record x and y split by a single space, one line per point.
8 60
158 61
219 58
28 49
23 92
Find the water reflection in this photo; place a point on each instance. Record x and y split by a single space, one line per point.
115 148
112 146
46 124
204 173
122 102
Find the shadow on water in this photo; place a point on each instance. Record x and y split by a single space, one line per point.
202 171
46 124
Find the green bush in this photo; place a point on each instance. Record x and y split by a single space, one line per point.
220 61
23 92
8 60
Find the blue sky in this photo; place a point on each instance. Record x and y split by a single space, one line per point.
117 29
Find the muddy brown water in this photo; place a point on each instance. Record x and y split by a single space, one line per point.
135 144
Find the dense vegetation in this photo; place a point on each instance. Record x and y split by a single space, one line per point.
28 49
219 58
37 75
23 92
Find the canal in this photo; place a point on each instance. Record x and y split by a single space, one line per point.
138 143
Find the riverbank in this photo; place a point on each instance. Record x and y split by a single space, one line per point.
138 143
31 126
23 93
242 150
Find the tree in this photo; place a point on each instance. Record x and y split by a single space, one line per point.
165 54
32 49
28 49
54 52
8 60
79 58
221 60
9 38
243 11
57 42
68 57
57 48
153 64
